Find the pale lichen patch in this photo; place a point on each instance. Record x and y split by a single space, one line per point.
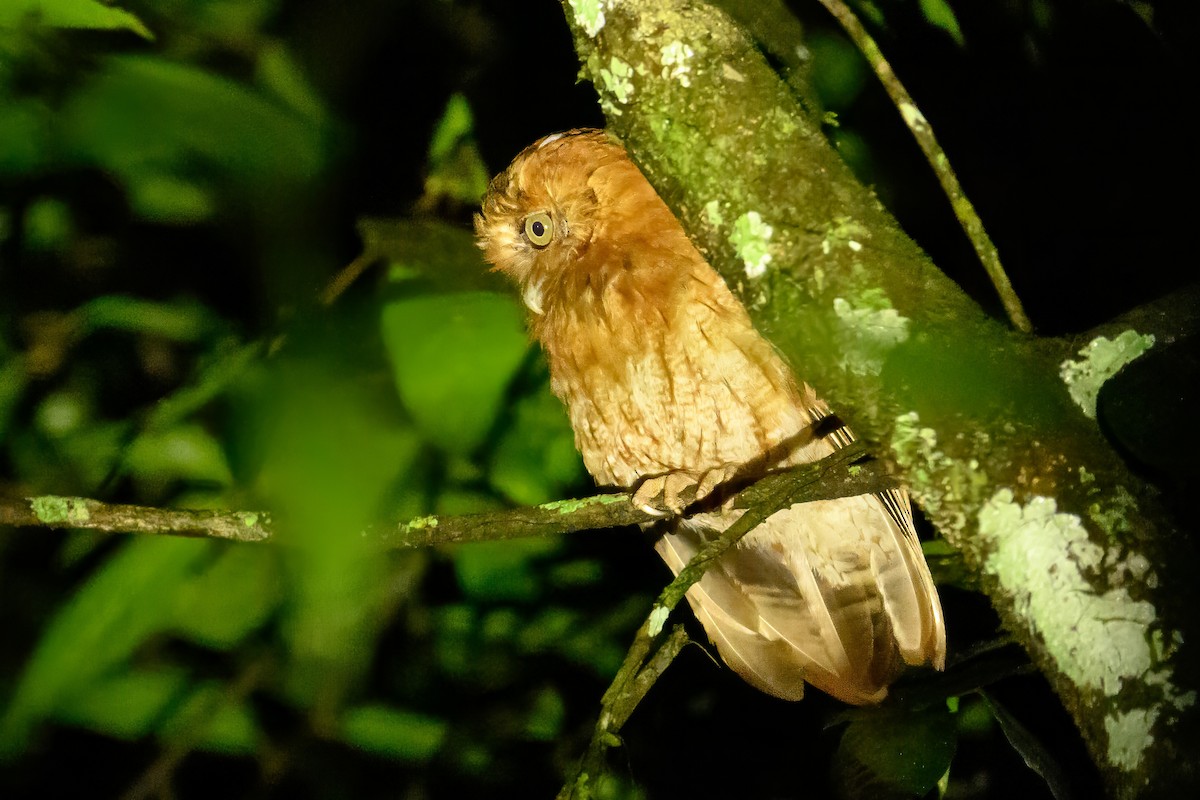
571 506
712 210
54 510
1129 735
589 14
913 117
937 480
844 232
916 447
674 58
616 85
780 121
658 618
421 523
751 238
1100 641
1101 359
1039 555
1134 567
869 329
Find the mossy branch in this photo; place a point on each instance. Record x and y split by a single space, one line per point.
825 479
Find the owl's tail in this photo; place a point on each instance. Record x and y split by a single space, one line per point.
835 593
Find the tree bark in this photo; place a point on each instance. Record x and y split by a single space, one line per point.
1076 553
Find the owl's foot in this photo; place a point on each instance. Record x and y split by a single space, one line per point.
670 493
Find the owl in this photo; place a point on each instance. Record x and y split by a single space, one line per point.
672 393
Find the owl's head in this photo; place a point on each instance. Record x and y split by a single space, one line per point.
544 216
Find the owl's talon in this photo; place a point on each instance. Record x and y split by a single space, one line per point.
669 494
652 511
651 497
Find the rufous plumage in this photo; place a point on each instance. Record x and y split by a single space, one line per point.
672 392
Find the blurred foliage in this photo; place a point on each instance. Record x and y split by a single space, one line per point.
130 393
178 181
888 753
453 357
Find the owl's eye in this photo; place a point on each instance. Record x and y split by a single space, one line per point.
539 228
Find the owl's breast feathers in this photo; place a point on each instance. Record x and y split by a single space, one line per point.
662 370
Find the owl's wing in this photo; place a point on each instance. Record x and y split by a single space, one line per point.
835 593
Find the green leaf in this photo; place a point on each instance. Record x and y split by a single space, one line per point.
948 566
454 630
581 572
535 460
546 716
213 718
169 199
872 13
77 463
186 452
185 321
226 369
13 379
453 357
233 597
88 14
456 124
233 730
22 136
62 413
548 629
390 732
840 73
163 127
122 603
280 74
456 170
502 570
125 706
939 14
48 225
895 753
453 501
609 786
1035 754
332 457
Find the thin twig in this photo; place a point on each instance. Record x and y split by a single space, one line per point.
346 276
963 208
818 481
634 687
81 513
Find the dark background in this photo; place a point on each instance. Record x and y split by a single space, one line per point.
225 199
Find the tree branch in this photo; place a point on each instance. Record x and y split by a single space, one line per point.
1078 555
831 477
